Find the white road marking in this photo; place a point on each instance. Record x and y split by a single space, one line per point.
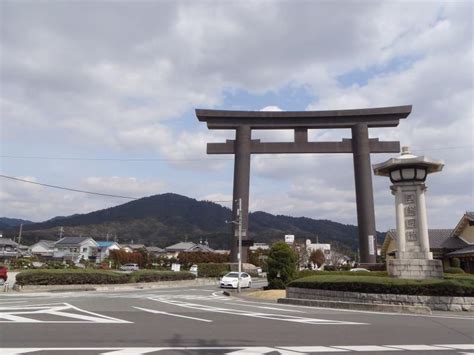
365 348
271 316
312 349
457 346
17 314
172 314
416 347
240 350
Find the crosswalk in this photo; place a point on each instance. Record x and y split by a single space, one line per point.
253 350
52 313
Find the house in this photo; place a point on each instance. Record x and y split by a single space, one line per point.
8 248
445 244
175 249
43 248
262 246
155 251
463 238
75 249
104 248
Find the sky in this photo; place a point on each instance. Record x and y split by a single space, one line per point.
100 96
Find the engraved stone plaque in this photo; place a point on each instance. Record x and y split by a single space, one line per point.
409 198
410 223
410 211
411 235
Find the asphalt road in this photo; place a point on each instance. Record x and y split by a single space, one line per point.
202 320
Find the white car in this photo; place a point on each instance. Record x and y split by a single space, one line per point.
359 269
129 267
230 280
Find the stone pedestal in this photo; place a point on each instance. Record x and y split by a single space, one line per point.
415 268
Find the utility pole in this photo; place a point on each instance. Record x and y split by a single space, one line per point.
19 241
239 256
61 230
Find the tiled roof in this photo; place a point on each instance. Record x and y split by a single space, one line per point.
48 243
154 249
181 246
437 236
72 240
5 241
470 215
467 250
453 243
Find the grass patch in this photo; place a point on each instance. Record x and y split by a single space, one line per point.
452 285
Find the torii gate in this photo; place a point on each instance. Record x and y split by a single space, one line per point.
358 120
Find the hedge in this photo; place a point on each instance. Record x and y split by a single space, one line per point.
306 273
95 277
449 286
212 269
154 276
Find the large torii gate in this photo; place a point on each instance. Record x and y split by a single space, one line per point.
359 121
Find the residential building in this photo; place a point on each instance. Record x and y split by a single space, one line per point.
8 248
75 249
155 251
43 248
175 249
103 249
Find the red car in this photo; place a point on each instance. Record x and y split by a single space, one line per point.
3 274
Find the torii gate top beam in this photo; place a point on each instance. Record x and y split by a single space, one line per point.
373 117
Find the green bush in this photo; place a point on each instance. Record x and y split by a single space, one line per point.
70 277
462 287
454 270
306 273
281 265
455 262
212 269
155 276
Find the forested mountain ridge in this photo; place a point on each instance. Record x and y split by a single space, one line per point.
168 218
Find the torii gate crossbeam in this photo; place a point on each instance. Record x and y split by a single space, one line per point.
359 121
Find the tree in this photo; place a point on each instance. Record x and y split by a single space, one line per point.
317 257
282 262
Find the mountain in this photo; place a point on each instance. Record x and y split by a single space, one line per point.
169 218
6 223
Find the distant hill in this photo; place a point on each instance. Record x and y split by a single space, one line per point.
168 218
6 223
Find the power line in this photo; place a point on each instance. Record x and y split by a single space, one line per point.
89 192
417 149
67 188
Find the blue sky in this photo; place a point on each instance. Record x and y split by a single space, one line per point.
98 83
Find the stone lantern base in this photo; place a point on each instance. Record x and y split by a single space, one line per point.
415 268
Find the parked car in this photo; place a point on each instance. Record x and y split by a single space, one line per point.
231 279
129 267
359 269
3 274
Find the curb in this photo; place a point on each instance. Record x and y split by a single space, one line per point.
391 308
115 287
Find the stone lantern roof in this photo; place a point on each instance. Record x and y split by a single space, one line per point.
406 159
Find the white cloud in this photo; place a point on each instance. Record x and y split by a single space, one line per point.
125 78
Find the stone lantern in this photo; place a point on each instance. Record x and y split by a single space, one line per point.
408 174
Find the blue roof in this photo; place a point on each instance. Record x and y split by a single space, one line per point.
104 243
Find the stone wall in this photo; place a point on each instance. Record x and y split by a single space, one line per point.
438 303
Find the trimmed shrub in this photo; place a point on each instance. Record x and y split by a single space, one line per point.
212 269
70 277
154 276
281 265
330 268
454 270
455 262
306 273
462 287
